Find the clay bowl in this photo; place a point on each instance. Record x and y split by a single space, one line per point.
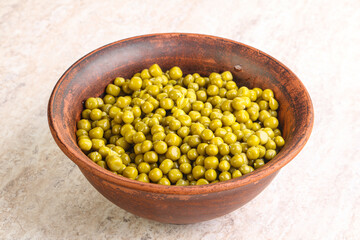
193 53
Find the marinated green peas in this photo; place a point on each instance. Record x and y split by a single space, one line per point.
180 129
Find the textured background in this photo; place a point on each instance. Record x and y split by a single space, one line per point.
43 195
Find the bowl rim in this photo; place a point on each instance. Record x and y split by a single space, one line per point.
80 159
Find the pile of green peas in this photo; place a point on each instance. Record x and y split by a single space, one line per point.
166 128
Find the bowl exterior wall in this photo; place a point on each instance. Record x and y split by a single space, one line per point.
175 208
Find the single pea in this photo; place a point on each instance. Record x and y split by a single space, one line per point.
104 151
147 107
139 157
253 153
236 174
183 131
253 140
210 175
224 176
114 162
227 76
182 182
267 94
253 113
155 70
220 132
97 143
129 136
185 120
101 164
258 163
198 172
237 161
164 181
145 74
175 124
95 114
224 149
85 114
183 159
271 122
245 169
135 83
273 104
95 156
174 175
279 141
270 145
196 128
91 103
192 154
142 177
212 150
160 147
222 92
262 136
235 148
212 90
184 148
84 124
211 162
109 100
199 161
122 143
207 135
194 141
277 132
151 157
172 139
224 165
201 148
262 151
104 124
173 153
166 165
185 168
130 172
143 167
258 91
190 177
122 168
201 95
273 113
139 137
155 175
243 92
174 94
202 181
113 90
270 154
146 146
253 95
175 73
230 138
167 103
96 132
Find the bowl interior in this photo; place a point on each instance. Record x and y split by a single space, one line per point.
192 53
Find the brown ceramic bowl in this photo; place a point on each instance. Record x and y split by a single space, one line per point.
193 53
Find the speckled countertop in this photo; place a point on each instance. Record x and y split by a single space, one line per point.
43 195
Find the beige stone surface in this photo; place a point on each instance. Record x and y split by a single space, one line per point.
43 195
